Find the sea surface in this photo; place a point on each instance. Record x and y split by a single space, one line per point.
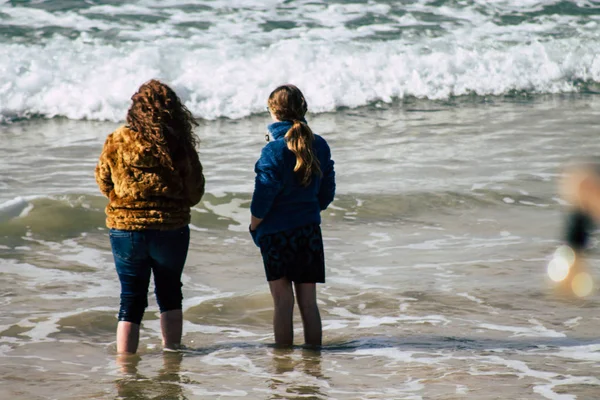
450 122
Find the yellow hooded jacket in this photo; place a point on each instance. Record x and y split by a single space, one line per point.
143 193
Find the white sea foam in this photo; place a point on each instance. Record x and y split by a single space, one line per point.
240 362
401 356
233 211
538 330
76 253
14 208
352 281
330 325
189 327
41 328
580 353
369 321
4 349
199 391
471 297
228 69
573 322
50 80
553 379
36 275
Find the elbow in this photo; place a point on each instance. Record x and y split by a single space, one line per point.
262 200
194 200
196 197
196 191
105 189
257 213
259 210
326 201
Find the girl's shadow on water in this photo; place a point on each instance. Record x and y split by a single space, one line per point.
453 343
421 342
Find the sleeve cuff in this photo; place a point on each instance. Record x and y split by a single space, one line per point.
254 235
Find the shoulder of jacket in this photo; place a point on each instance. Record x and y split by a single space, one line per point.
275 148
121 138
319 137
320 141
122 133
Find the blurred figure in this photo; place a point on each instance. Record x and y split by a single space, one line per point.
151 174
581 188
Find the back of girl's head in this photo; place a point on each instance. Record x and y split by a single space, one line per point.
159 116
287 103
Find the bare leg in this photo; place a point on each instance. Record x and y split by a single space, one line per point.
128 337
311 319
283 299
171 325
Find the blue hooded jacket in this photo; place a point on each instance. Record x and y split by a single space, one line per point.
279 199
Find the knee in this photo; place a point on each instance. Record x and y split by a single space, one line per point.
283 301
133 307
169 304
169 298
308 306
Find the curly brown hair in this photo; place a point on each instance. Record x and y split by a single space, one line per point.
163 120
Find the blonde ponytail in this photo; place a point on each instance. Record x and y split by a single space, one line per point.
287 103
300 139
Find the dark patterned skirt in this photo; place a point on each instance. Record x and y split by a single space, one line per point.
296 254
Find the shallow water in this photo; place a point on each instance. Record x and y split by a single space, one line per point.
449 122
436 246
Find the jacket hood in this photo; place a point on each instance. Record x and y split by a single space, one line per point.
279 129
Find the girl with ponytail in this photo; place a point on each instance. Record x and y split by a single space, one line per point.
295 181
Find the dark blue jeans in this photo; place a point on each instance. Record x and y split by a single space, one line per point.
137 255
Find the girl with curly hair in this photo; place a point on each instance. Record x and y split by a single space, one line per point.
150 171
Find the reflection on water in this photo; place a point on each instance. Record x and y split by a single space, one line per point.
295 377
133 385
128 363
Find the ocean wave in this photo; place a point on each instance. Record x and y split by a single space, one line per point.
223 61
80 80
71 215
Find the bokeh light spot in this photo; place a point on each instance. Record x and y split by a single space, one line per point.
566 253
582 284
558 269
